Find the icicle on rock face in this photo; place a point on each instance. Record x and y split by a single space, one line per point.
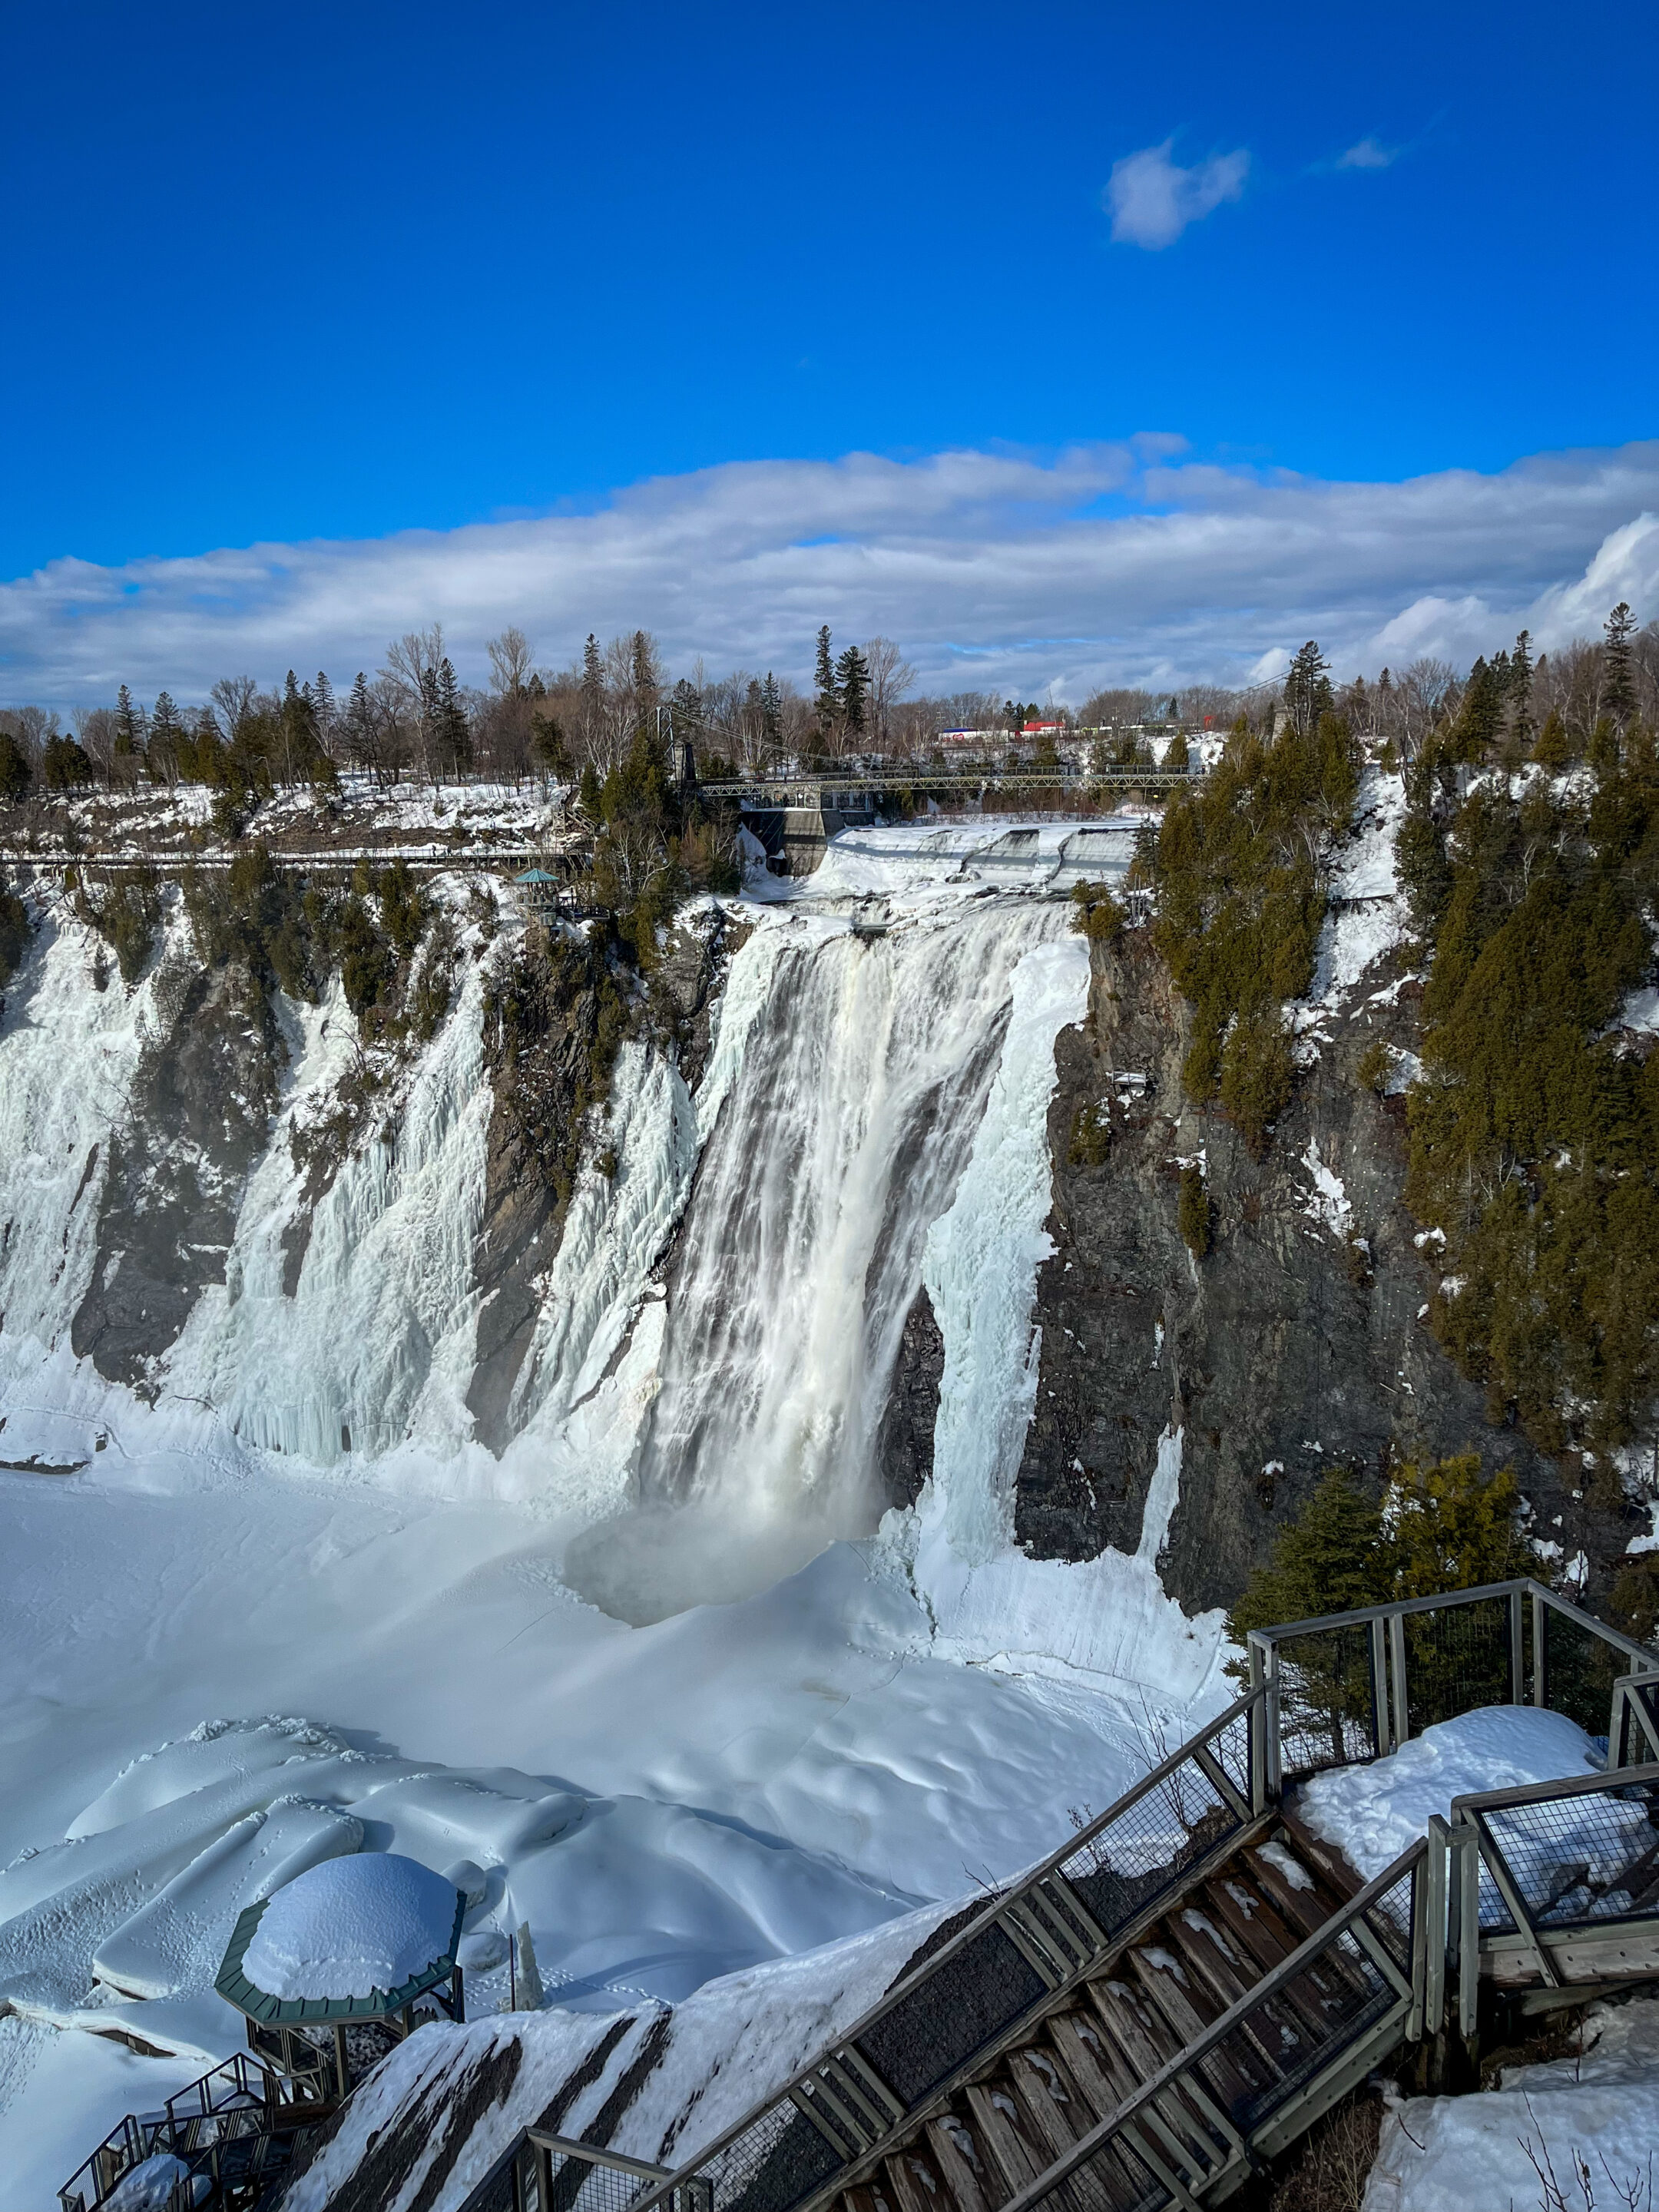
842 1140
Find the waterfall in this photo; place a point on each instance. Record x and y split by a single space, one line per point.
841 1141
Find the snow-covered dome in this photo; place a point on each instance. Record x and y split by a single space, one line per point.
351 1926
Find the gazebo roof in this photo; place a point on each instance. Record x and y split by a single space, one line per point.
310 1918
535 876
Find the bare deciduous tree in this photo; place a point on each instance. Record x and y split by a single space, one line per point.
890 676
510 662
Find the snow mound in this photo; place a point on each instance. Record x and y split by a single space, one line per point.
1591 2119
351 1926
1373 1812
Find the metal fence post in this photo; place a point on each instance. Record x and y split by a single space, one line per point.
1258 1731
1435 1891
1382 1720
1402 1711
1539 1666
1517 1654
1468 1843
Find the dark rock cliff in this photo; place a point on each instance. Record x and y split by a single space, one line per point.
198 1119
1297 1344
544 1045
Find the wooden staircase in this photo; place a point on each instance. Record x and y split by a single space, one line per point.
1113 2033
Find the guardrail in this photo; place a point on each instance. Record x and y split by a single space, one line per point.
813 790
1207 2117
213 2118
1352 1686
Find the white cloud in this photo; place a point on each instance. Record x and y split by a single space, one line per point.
1368 153
1151 199
992 569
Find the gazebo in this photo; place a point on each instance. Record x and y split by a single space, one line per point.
354 1942
537 891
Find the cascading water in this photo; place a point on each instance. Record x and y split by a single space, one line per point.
842 1140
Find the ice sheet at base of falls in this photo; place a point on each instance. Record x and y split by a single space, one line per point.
841 1141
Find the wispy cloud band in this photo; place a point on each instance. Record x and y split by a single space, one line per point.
1107 563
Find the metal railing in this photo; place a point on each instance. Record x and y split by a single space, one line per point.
545 2172
1348 1687
1206 2116
813 790
214 2120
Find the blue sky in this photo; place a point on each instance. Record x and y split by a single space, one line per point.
276 274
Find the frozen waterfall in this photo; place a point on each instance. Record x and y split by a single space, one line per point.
841 1141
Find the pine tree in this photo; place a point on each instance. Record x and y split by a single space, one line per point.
15 775
852 690
771 714
1522 725
360 718
1308 692
1618 686
165 731
322 700
450 727
129 726
826 704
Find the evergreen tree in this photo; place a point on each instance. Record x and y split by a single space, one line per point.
450 726
129 726
853 690
360 720
1522 726
15 773
165 730
644 676
1333 1557
771 714
322 702
1618 686
826 704
1308 692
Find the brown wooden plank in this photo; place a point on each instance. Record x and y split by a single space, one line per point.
1054 2117
1146 2037
914 2183
996 2125
1328 1860
1100 2079
1093 2061
961 2165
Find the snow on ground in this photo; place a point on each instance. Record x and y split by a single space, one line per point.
1565 2136
1373 1812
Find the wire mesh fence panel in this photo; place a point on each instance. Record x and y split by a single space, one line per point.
1118 2179
1457 1658
1327 1699
960 2006
1579 1671
780 2158
1582 1859
1643 1742
1149 1847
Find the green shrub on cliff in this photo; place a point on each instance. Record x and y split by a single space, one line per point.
13 934
1193 1212
1534 1134
125 910
1447 1526
1099 916
1238 865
